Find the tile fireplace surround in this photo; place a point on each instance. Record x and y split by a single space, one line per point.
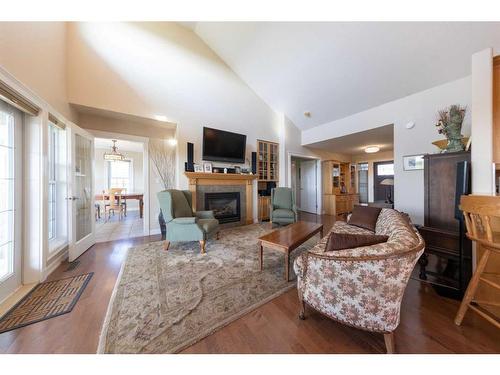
201 183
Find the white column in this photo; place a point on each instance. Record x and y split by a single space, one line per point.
483 170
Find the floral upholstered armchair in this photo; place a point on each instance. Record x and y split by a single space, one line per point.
361 287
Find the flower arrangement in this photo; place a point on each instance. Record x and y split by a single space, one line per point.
449 124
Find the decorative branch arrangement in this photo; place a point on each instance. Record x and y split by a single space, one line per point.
450 124
162 154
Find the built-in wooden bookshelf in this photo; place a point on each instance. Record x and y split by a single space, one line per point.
339 188
267 161
267 174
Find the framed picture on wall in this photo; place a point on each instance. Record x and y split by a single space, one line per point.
413 162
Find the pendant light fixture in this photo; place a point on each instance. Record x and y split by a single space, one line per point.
114 155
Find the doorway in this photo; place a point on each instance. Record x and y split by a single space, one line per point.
304 182
120 188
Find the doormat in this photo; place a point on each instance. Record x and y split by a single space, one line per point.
47 300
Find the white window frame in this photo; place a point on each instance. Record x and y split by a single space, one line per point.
57 225
130 175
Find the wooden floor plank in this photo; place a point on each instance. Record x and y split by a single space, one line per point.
426 320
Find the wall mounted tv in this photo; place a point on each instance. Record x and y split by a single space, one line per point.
220 145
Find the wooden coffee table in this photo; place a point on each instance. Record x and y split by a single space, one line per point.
288 239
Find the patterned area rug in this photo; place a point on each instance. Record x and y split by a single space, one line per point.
165 301
47 300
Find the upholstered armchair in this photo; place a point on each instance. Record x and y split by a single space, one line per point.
361 287
181 223
283 208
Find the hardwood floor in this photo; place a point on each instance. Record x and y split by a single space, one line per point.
426 320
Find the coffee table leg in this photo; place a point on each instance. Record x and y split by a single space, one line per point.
260 256
321 232
287 272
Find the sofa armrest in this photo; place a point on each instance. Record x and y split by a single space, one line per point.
205 214
184 220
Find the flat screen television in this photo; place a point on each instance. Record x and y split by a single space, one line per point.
220 145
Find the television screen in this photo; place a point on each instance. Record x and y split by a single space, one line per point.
220 145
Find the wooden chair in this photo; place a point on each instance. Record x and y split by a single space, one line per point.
479 211
115 202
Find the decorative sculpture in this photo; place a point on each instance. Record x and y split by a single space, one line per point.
450 124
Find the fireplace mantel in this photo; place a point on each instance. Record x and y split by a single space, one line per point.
197 178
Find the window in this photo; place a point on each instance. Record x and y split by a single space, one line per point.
7 194
385 169
120 175
57 187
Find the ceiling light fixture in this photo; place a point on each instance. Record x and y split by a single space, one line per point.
372 149
114 155
307 114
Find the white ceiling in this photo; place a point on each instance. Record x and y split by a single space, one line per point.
355 143
337 69
122 145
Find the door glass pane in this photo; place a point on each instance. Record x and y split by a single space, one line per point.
385 169
6 194
6 260
83 186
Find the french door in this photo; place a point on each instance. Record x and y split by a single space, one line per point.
11 169
81 197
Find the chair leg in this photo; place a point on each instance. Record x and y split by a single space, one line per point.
471 289
389 343
166 245
202 246
302 311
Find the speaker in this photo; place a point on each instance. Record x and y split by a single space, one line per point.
254 163
189 165
462 186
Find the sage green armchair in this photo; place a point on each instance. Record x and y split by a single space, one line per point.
182 224
283 208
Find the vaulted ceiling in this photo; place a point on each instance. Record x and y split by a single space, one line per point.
335 69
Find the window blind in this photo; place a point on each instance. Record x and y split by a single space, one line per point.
53 119
17 100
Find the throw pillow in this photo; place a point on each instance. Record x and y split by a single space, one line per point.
341 241
364 217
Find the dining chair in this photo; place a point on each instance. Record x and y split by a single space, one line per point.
479 213
115 202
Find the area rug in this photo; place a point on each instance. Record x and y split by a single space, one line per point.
164 301
47 300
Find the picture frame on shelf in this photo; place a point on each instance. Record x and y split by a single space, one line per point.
207 167
198 168
413 162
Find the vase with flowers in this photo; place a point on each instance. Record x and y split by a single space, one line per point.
449 124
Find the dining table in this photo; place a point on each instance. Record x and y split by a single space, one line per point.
125 197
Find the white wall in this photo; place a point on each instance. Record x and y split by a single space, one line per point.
420 108
150 69
35 53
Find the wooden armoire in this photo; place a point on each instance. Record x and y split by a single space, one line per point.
447 261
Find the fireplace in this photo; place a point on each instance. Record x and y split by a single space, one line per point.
226 206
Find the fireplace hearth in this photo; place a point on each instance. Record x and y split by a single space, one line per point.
226 206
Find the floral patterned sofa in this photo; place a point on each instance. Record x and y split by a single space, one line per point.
362 287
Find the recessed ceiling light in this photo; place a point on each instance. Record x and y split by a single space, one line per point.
372 149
